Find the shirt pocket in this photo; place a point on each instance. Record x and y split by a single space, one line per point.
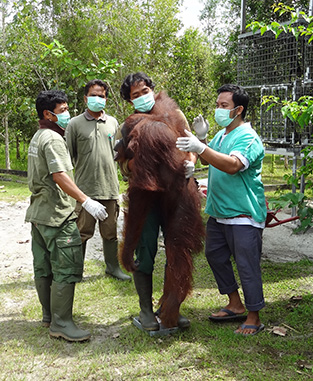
85 145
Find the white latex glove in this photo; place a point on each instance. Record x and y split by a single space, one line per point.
96 209
200 126
189 168
190 143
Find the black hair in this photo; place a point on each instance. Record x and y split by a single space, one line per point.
98 82
240 96
133 79
48 100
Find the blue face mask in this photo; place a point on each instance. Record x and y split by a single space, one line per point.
145 102
222 117
96 104
63 119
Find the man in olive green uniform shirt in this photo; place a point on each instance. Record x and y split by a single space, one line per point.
56 243
90 138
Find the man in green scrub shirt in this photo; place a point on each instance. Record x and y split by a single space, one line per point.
90 138
56 243
236 206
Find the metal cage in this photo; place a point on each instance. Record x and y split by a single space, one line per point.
281 67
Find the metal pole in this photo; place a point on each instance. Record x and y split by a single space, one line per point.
243 16
311 8
293 187
302 180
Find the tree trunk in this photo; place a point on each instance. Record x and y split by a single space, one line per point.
286 164
6 139
5 119
18 154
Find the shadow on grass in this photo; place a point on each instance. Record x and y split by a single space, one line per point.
298 319
204 346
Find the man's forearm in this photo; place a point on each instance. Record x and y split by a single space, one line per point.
221 161
68 186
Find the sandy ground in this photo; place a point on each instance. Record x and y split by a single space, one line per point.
279 243
15 242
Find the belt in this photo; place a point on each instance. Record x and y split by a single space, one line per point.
239 216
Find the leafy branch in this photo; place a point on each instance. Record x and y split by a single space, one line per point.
277 28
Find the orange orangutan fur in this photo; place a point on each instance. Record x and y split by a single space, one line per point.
158 178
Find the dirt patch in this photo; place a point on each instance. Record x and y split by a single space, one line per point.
15 244
280 244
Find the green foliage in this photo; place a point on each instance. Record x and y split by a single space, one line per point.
298 200
300 111
66 65
63 44
190 80
294 17
273 164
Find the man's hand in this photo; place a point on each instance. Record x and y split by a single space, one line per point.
189 168
190 143
96 209
200 126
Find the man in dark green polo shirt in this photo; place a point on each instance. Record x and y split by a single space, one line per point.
56 243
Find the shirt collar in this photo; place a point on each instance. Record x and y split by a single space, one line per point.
88 116
45 123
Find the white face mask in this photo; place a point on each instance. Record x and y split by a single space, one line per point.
222 117
96 104
63 119
145 102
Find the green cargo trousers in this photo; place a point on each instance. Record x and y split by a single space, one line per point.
57 251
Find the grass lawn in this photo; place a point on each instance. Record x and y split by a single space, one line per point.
119 351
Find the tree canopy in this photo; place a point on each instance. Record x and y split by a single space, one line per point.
48 44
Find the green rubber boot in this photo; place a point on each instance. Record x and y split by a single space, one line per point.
62 325
143 283
111 260
43 290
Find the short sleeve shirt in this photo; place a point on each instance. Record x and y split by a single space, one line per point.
49 204
229 195
91 145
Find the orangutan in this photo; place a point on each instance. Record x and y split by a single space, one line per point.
158 177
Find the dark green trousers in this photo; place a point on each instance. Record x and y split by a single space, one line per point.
57 251
147 247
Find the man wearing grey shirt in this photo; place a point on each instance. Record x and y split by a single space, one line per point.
90 138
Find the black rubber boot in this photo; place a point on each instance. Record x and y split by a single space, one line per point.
43 290
111 260
84 246
182 321
143 283
62 325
